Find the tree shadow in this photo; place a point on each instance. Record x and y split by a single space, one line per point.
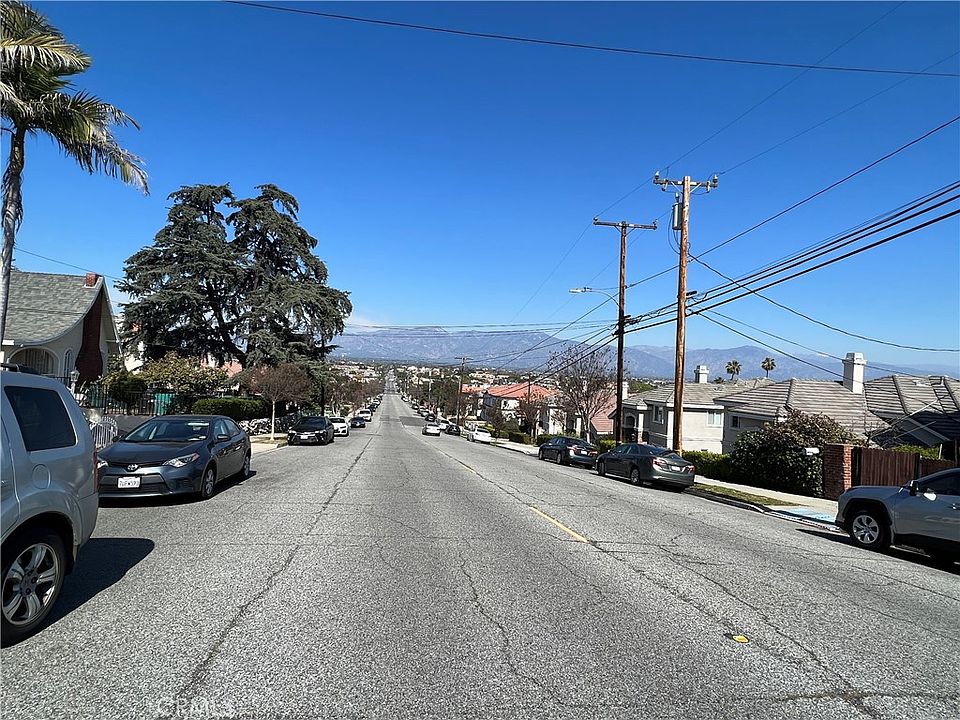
906 554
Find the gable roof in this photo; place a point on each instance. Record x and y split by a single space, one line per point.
693 393
518 391
44 306
917 406
603 421
814 397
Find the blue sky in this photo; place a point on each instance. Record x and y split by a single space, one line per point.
445 176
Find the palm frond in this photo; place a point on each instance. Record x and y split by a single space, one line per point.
51 52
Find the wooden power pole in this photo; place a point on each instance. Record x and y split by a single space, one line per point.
463 361
684 226
624 228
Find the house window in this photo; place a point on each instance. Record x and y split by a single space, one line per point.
734 421
714 418
658 414
35 358
67 363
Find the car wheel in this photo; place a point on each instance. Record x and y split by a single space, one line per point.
34 566
209 483
601 469
540 455
291 441
634 476
245 470
869 529
557 460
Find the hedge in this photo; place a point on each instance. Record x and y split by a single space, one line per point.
235 408
716 466
518 437
605 444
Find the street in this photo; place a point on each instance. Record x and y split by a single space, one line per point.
392 575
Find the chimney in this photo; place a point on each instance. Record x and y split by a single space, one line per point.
853 365
90 280
702 375
624 389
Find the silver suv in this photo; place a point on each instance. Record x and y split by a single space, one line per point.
924 514
48 496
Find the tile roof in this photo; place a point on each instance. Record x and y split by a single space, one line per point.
603 421
694 393
823 397
518 390
44 306
930 402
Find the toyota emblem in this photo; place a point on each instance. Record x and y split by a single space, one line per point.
132 468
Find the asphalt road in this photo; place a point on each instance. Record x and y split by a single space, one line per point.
392 575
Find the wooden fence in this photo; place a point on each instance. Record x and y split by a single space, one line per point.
872 466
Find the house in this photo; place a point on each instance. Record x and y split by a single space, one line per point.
507 399
60 325
649 416
471 399
844 401
918 410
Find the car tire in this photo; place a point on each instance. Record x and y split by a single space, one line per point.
291 441
557 460
53 562
245 468
540 455
601 469
869 528
208 483
635 476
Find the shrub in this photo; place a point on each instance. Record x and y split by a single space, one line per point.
123 385
605 444
712 465
518 437
929 453
235 408
774 458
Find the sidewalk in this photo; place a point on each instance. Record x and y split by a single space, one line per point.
818 509
262 443
517 447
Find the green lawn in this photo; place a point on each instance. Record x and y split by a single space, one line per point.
745 496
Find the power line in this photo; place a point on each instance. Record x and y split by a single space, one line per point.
587 46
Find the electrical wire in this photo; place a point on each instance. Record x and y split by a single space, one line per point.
585 46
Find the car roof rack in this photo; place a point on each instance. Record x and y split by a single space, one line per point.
19 368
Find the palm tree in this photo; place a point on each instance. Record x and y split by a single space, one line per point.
767 365
36 63
733 369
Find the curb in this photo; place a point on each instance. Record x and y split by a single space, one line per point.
511 449
756 507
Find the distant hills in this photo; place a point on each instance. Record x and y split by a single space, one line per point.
512 351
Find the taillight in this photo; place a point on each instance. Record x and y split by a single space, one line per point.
659 463
691 469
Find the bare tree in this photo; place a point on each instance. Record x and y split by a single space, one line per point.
585 381
530 407
283 383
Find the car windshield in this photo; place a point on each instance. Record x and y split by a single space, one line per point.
318 421
337 420
170 430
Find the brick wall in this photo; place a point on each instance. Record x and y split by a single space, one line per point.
837 470
89 359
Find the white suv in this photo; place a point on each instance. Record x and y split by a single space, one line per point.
48 496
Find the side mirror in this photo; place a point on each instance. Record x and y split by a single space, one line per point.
913 486
223 438
117 437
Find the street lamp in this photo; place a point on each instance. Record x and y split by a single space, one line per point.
621 327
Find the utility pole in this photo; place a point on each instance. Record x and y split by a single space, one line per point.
463 361
684 226
624 228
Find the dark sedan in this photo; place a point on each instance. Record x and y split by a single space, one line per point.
647 464
452 429
174 455
568 451
313 429
358 422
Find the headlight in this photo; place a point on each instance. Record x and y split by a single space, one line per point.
101 464
183 460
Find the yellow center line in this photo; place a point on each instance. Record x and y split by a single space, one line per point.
575 535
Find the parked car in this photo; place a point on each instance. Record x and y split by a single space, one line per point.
431 429
365 414
478 434
358 421
340 426
924 514
569 451
431 417
648 464
174 455
443 423
313 429
48 496
453 429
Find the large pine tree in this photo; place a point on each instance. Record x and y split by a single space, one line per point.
260 297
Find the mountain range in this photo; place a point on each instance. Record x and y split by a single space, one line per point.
522 350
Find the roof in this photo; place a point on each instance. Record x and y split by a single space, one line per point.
917 405
44 306
694 393
814 397
603 421
472 389
518 391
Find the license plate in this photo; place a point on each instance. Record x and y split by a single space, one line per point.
306 437
128 482
675 467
